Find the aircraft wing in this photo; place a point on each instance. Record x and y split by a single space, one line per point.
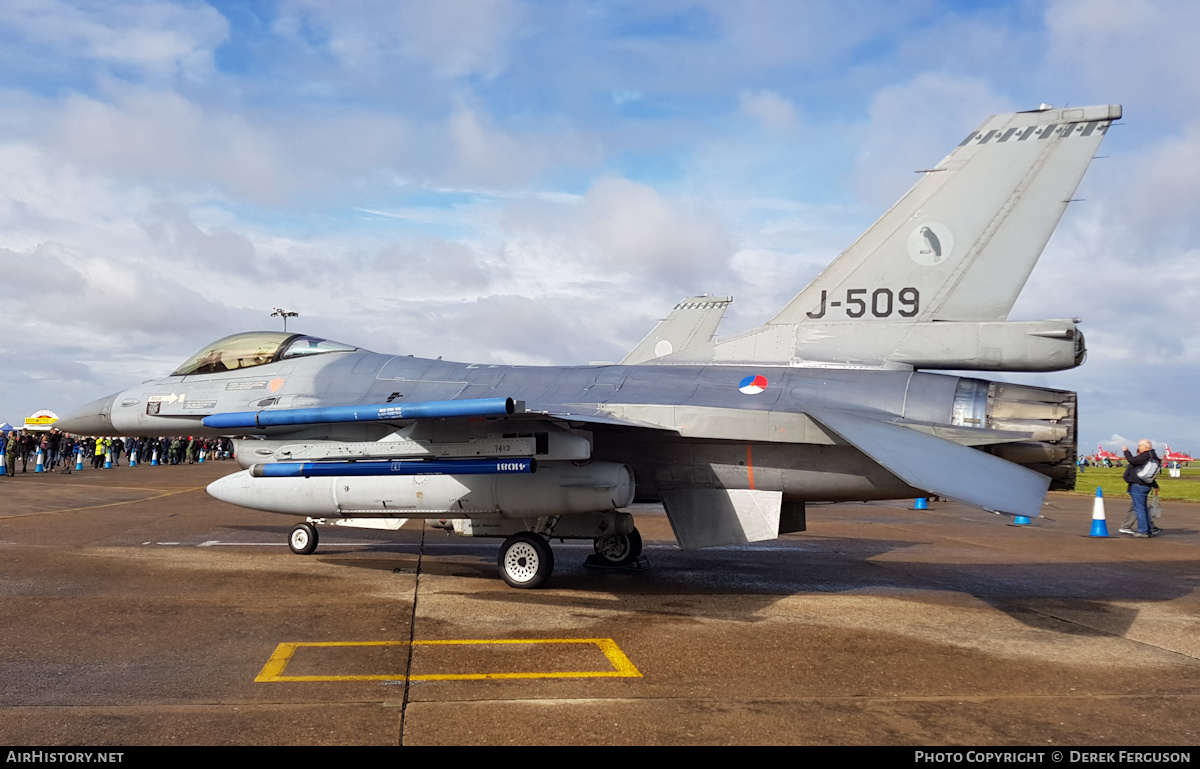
593 415
941 467
936 461
758 425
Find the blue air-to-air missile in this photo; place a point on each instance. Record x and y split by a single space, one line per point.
830 400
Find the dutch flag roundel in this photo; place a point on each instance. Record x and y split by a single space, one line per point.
753 384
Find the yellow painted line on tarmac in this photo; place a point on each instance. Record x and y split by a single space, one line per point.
623 667
106 504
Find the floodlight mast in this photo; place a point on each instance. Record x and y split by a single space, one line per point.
279 312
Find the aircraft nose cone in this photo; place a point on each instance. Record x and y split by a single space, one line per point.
92 419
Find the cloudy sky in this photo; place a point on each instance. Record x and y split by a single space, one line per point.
537 182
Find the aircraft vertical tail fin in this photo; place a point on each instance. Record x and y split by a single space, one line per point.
960 245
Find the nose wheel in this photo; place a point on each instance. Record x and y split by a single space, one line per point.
525 560
619 549
303 538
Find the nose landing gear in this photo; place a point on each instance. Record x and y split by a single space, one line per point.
619 549
303 539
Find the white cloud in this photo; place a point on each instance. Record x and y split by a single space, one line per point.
158 39
164 139
770 33
640 231
772 111
452 38
914 125
160 136
484 154
1160 197
1135 51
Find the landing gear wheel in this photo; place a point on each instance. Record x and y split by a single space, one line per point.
526 560
303 538
619 549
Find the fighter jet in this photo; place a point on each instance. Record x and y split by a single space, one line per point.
836 398
1177 456
1103 454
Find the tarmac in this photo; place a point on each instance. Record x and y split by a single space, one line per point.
136 610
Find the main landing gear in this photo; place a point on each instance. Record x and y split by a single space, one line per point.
526 560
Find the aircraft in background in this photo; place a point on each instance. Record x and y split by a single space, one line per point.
1103 454
1176 456
832 399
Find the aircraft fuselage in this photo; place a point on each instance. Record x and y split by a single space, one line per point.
732 427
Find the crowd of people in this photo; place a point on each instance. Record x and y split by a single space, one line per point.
59 449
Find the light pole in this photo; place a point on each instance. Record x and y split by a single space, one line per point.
285 314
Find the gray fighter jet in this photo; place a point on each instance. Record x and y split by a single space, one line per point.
830 400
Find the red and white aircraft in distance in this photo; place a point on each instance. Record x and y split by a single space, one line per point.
1176 456
1102 455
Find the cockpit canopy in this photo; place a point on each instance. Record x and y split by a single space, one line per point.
255 348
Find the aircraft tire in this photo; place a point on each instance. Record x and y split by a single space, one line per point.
619 549
302 539
525 560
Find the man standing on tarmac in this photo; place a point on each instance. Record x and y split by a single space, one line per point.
1139 474
10 453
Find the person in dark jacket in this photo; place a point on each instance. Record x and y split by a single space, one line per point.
25 446
1140 472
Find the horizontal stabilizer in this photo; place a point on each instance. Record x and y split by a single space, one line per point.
941 467
968 436
712 517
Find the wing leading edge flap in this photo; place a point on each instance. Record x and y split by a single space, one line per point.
941 467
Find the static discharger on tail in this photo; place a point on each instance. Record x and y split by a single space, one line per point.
828 401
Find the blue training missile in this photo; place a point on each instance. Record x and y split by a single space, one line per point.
419 467
378 412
